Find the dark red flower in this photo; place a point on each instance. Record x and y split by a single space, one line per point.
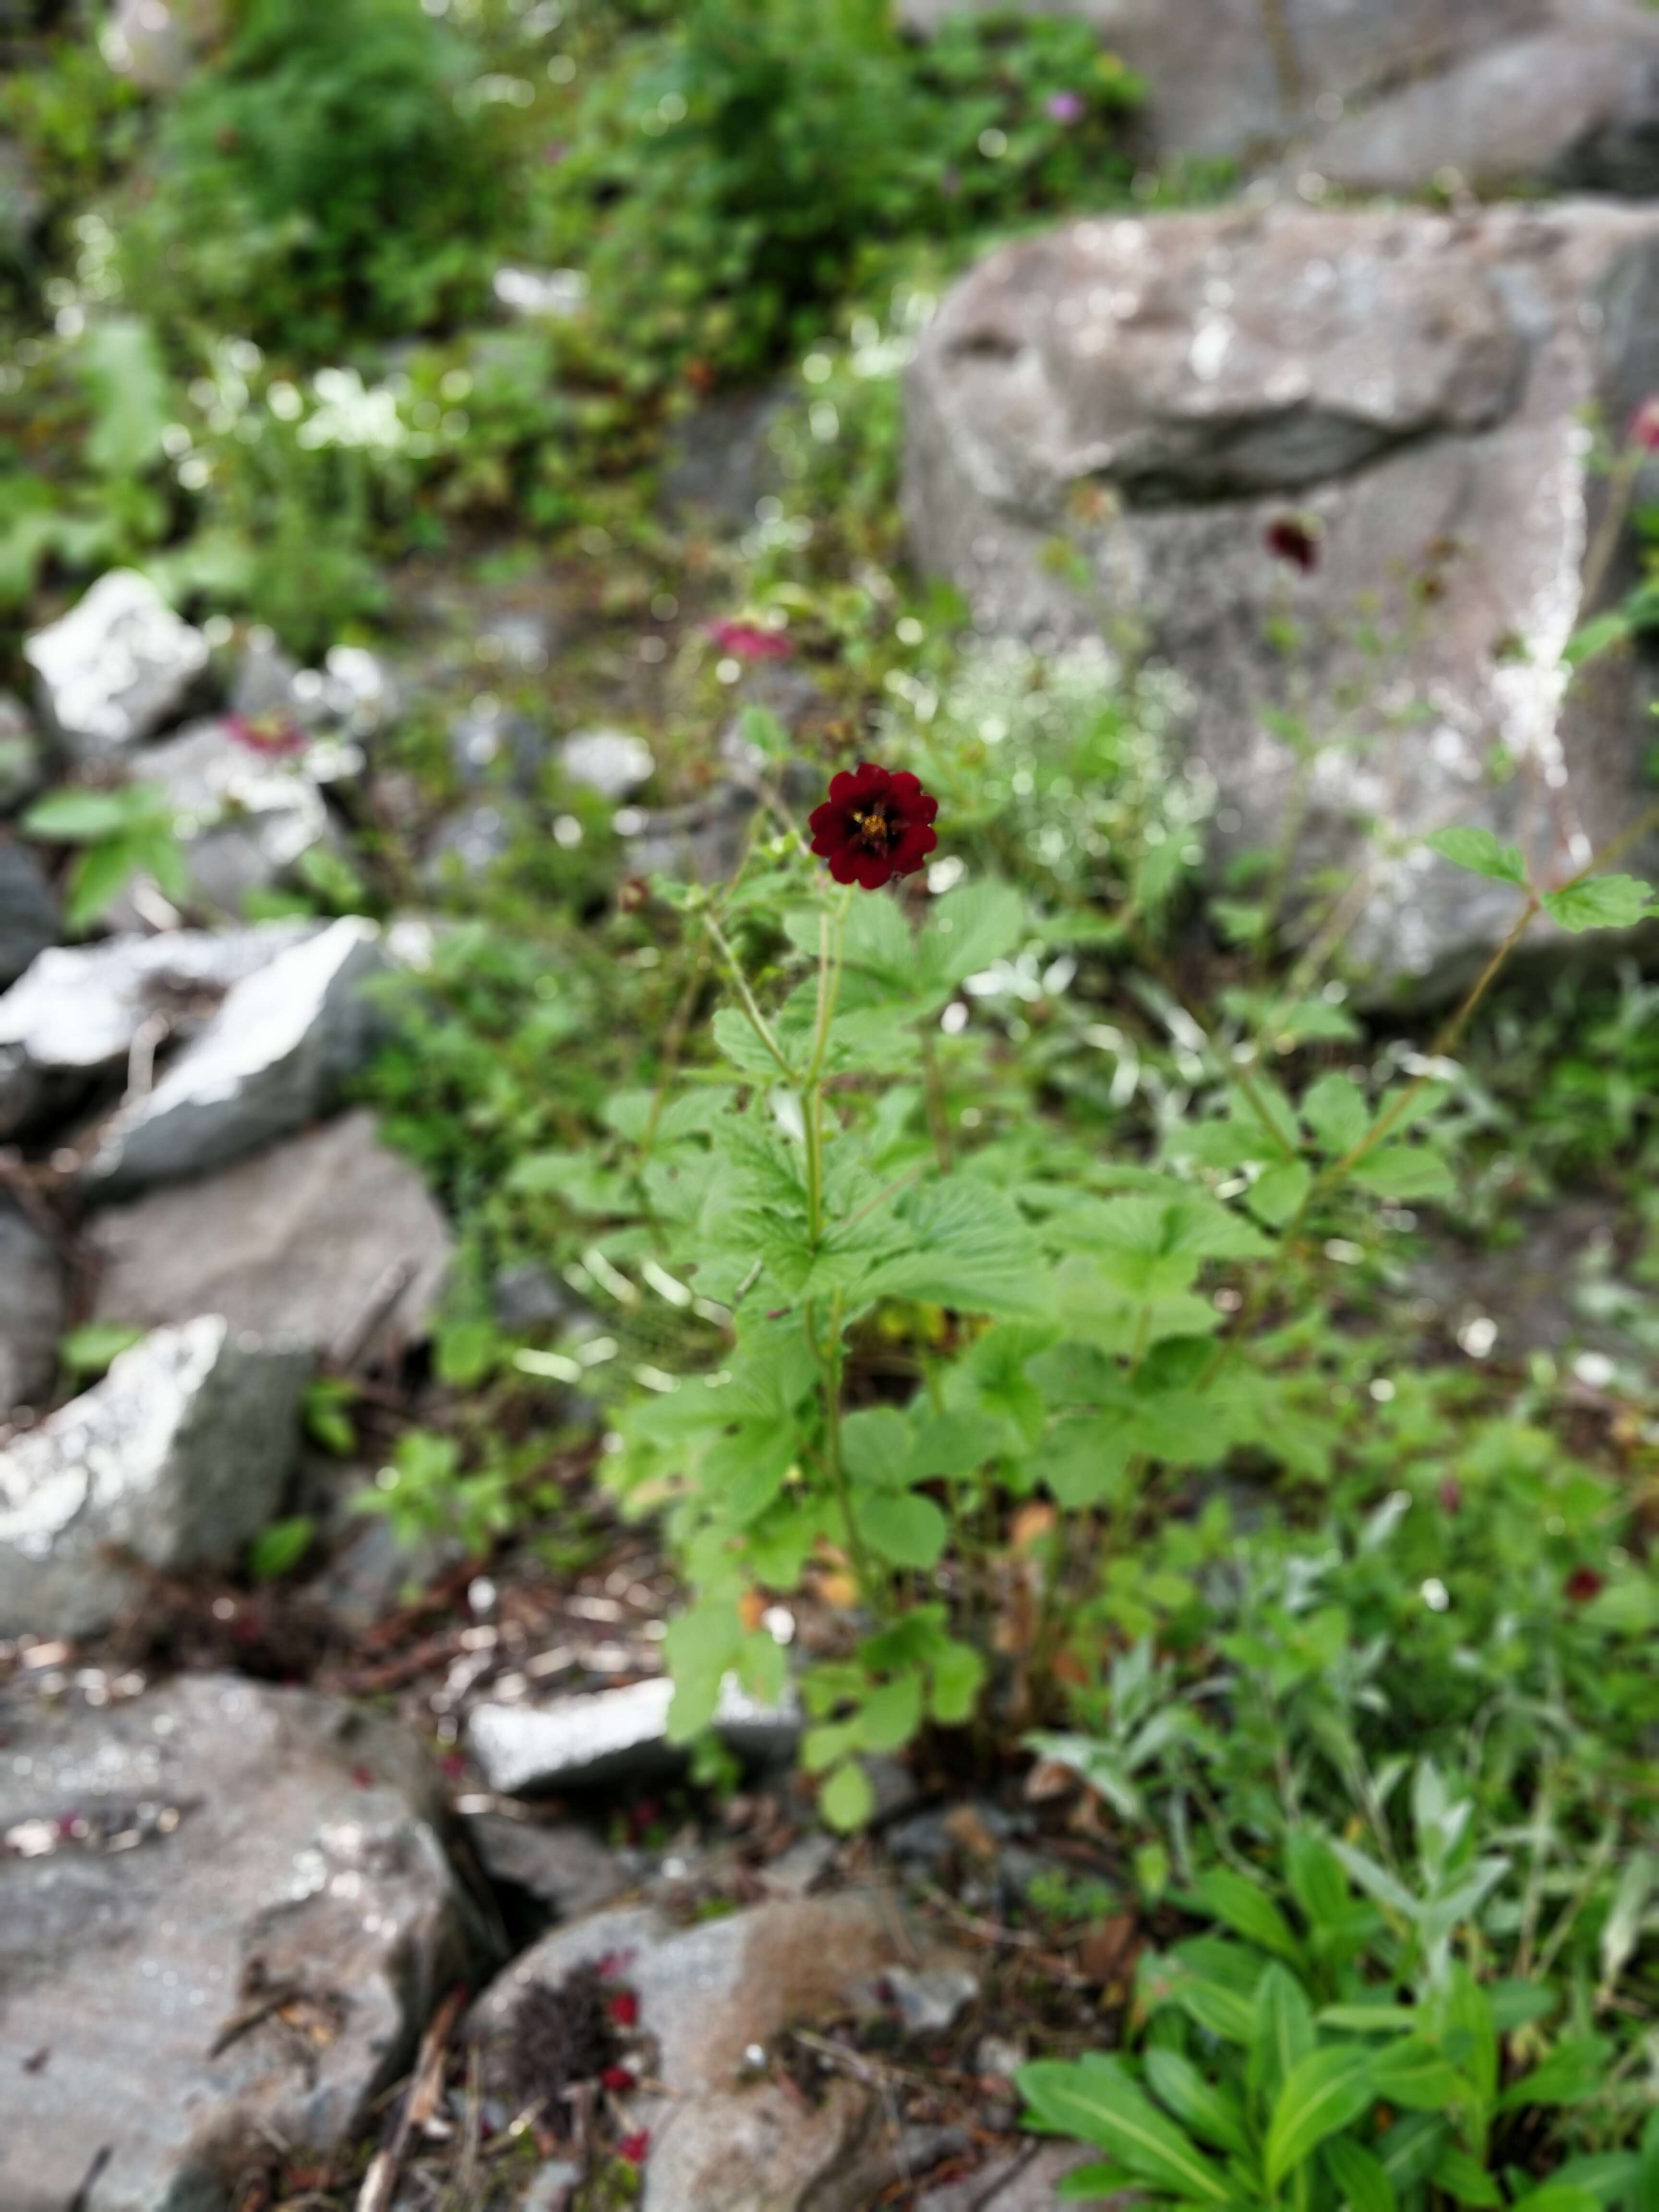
873 826
265 733
617 2077
1584 1584
624 2008
749 641
633 2148
1294 539
1644 425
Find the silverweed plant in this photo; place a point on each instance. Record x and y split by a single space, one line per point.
938 1344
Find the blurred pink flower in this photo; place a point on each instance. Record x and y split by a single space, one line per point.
749 641
1067 107
1644 425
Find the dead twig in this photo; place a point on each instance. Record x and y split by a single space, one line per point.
426 2085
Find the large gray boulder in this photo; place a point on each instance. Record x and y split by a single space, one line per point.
1169 393
177 1457
1570 108
77 1012
225 1916
331 1237
576 1742
272 1057
1234 76
119 667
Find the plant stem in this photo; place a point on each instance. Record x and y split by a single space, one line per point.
939 1120
757 1020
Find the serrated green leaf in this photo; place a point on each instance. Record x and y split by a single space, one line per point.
1600 903
1335 1110
904 1528
1320 2095
968 1248
891 1714
966 932
847 1799
736 1038
1277 1196
1404 1171
1479 851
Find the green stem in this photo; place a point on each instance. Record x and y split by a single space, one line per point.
938 1119
757 1020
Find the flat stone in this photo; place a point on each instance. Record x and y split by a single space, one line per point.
1027 2181
272 1057
582 1740
28 912
613 763
33 1304
119 667
491 744
244 815
313 1239
561 1865
240 1921
1163 390
471 843
930 2003
710 1999
77 1012
1576 108
722 462
179 1455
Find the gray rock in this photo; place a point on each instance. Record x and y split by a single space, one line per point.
1225 77
929 2004
234 1920
1027 2181
370 1569
22 768
355 687
581 1741
522 638
245 817
540 295
723 462
1418 387
330 1238
117 666
179 1456
32 1309
490 745
564 1867
155 42
531 1295
711 1997
1576 108
551 2186
28 912
610 762
470 843
77 1012
262 689
272 1057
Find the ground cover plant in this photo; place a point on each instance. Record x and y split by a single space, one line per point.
970 1265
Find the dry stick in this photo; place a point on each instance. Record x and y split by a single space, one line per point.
420 2103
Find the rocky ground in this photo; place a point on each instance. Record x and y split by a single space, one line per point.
381 1880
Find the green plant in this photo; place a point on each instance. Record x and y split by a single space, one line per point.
1333 2050
325 179
120 834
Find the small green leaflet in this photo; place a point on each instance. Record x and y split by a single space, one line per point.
1211 2113
1599 902
1322 2094
1247 1911
906 1529
1479 851
1335 1110
847 1799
